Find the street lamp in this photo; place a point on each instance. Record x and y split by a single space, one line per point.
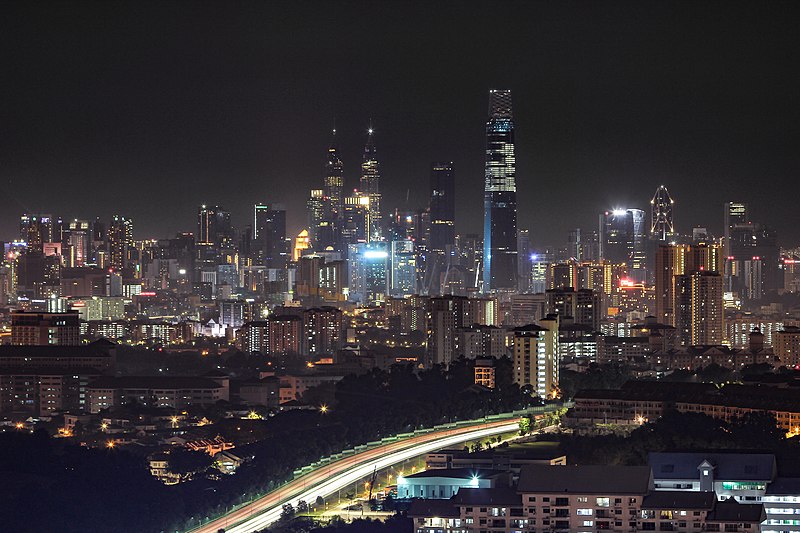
323 409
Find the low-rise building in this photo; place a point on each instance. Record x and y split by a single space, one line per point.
265 391
583 499
442 483
511 459
154 391
742 476
640 401
485 372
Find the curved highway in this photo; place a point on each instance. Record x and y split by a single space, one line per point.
344 472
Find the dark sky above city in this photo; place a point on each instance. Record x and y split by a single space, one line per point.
152 108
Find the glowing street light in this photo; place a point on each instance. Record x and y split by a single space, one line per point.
323 409
110 444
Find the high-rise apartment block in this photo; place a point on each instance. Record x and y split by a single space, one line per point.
536 357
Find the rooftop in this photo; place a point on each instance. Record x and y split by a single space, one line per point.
457 473
679 499
98 348
727 466
585 479
154 382
731 511
439 508
498 496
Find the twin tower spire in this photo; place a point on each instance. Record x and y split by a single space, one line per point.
339 207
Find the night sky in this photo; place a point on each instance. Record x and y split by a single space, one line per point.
152 108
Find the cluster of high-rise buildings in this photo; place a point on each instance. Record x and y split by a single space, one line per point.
630 285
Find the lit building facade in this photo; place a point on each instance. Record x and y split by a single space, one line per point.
371 186
500 196
536 362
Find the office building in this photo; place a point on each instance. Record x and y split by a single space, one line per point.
500 197
334 180
662 225
369 273
736 214
356 219
269 236
442 207
120 241
623 240
214 226
403 268
441 238
370 187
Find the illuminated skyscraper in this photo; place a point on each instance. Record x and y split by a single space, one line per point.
370 186
356 218
441 239
622 239
214 225
322 221
269 236
36 230
735 214
500 197
334 178
661 224
78 243
443 206
120 239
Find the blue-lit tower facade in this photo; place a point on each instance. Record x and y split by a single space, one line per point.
500 197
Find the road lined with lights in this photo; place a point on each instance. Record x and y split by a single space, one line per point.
344 472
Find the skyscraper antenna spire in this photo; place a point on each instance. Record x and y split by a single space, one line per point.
334 126
370 126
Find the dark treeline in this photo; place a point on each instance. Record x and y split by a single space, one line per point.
683 432
86 490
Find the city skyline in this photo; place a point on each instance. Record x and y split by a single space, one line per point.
689 118
399 266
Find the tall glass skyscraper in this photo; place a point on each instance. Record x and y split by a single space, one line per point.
370 186
500 197
334 178
442 206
